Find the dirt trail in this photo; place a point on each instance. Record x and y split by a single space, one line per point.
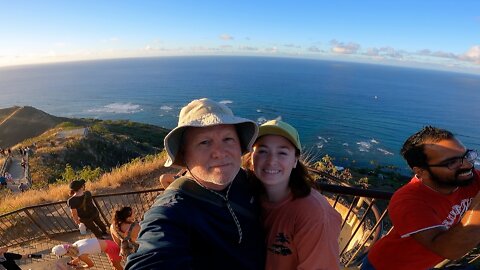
10 116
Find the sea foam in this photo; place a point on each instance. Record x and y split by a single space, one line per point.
364 146
261 120
385 151
166 108
128 108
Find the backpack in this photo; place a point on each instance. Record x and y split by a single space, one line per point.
127 247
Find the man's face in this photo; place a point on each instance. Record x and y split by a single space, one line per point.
212 154
441 153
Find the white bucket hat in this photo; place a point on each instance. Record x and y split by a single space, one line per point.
60 250
204 113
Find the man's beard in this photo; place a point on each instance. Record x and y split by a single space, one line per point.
452 183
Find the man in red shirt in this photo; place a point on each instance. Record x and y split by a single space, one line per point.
436 216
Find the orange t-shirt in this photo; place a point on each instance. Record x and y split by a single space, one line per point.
302 233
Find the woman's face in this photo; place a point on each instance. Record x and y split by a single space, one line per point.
273 159
131 218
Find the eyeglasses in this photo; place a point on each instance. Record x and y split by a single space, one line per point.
457 162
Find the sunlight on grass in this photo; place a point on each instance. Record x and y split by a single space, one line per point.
128 176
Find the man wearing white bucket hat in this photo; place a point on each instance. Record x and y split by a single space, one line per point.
207 219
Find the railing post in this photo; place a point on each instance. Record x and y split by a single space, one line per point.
101 212
372 231
36 224
358 226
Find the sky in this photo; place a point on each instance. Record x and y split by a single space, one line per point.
431 34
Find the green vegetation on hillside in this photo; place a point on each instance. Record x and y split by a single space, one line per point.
141 133
66 150
138 174
387 178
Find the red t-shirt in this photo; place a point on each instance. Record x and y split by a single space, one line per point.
413 208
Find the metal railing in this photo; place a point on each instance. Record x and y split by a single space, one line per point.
5 165
52 219
49 220
370 208
364 221
363 211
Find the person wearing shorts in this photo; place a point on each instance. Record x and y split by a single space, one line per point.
84 247
113 251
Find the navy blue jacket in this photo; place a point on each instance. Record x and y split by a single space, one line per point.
189 227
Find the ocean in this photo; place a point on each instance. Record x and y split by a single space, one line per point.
360 114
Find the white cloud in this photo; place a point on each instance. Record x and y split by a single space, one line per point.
314 49
203 49
424 52
59 44
111 40
372 52
291 45
271 49
473 54
342 48
247 48
444 55
155 45
226 37
391 52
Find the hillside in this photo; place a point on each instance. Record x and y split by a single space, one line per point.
139 174
67 147
99 147
4 113
20 123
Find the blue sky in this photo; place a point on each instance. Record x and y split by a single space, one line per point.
436 34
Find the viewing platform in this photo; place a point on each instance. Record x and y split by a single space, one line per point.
37 229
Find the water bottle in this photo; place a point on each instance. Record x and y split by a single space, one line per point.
82 228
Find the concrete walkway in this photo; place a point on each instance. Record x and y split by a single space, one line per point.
18 174
49 261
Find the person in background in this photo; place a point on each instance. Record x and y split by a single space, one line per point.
436 215
9 177
91 246
209 218
167 178
123 221
302 227
7 259
22 187
83 209
3 181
